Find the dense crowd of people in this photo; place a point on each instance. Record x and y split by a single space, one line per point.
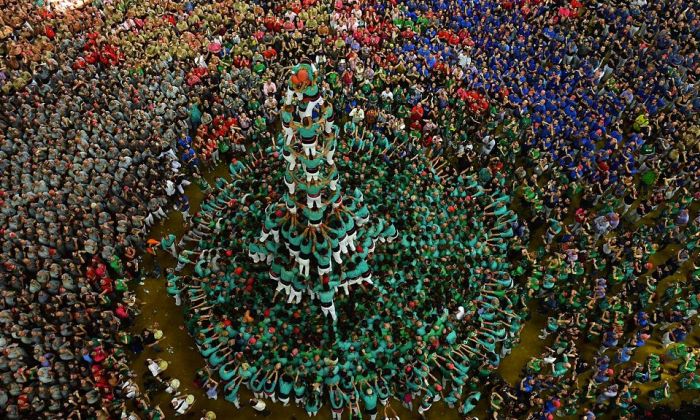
525 150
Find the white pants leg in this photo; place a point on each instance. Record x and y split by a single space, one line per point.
292 186
311 177
351 241
330 311
281 286
181 186
304 267
310 107
294 296
313 201
288 135
309 149
291 161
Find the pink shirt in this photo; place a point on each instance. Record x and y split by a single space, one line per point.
269 88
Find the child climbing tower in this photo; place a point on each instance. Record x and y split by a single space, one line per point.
316 240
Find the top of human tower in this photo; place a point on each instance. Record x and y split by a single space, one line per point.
315 239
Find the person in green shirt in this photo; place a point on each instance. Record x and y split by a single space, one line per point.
167 243
470 403
325 296
195 115
369 398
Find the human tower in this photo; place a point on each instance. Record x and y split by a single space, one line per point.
311 237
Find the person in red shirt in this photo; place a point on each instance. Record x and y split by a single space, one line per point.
106 285
579 219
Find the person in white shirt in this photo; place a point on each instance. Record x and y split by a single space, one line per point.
464 60
258 405
357 115
156 366
182 403
269 88
387 95
169 188
488 144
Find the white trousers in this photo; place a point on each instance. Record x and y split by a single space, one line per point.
294 296
309 149
330 311
292 187
303 266
160 213
311 177
281 286
292 252
313 201
256 256
351 241
310 107
288 134
291 160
